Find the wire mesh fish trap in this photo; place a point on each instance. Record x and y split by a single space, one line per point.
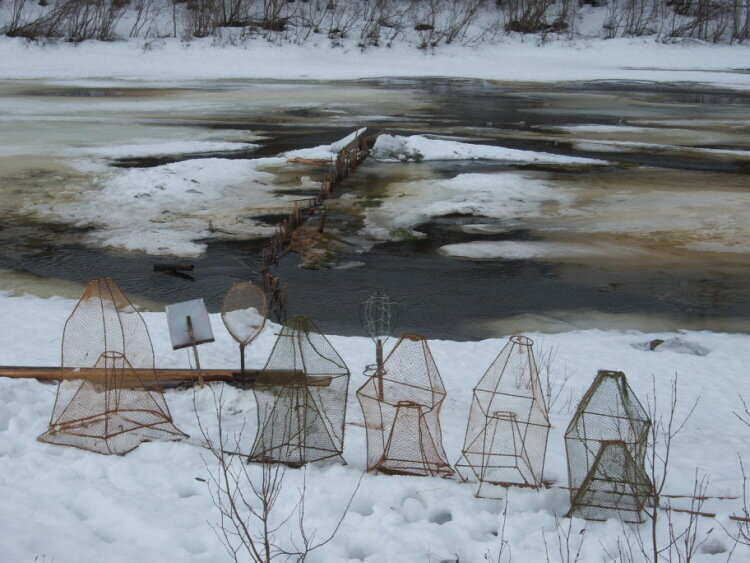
301 395
402 412
108 400
506 435
606 448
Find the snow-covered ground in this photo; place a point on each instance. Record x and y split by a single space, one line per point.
68 505
513 60
62 504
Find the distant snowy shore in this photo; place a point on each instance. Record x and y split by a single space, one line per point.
514 60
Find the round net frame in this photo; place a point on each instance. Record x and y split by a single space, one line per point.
109 399
301 394
378 315
244 311
606 445
506 435
402 420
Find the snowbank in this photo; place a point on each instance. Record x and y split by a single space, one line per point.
505 195
170 209
326 151
515 250
394 148
70 505
515 59
166 209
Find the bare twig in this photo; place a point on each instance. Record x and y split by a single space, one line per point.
250 522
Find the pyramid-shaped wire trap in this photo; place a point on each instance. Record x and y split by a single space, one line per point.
506 436
606 447
301 395
108 400
402 412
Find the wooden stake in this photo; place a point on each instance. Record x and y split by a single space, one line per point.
322 223
195 350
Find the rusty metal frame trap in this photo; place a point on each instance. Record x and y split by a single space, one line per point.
401 407
606 445
506 434
108 400
301 395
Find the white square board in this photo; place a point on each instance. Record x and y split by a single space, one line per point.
177 315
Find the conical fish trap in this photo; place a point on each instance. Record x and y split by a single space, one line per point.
301 395
612 482
506 435
109 399
401 408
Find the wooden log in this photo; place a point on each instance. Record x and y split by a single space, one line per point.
312 161
173 267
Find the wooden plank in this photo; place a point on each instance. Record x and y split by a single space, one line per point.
164 375
173 375
291 378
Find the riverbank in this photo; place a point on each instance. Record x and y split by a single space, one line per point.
153 504
513 60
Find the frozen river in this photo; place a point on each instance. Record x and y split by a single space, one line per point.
104 178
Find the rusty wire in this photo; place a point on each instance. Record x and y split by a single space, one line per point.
506 435
301 394
402 417
606 447
109 399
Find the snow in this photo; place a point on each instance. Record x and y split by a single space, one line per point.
616 146
678 345
326 151
61 504
514 60
165 209
147 147
64 504
394 148
504 195
515 250
245 323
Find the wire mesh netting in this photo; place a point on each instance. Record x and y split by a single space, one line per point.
606 447
301 395
506 436
401 407
244 311
378 315
109 399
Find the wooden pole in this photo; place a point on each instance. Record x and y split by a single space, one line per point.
195 350
322 224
